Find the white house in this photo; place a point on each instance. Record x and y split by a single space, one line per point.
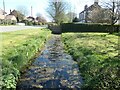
11 17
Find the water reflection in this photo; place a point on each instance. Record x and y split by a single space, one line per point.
52 69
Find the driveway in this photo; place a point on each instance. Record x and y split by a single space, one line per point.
15 28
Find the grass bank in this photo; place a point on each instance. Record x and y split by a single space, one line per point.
97 57
18 48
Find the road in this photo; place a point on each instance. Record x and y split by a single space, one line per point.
15 28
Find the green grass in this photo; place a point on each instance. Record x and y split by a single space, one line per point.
97 57
18 48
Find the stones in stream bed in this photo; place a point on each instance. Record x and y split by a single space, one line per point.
37 86
52 69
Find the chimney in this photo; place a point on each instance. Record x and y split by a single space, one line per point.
10 11
85 8
96 2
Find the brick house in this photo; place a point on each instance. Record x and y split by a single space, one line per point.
83 16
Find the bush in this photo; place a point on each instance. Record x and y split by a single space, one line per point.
30 23
24 21
77 27
13 22
35 23
1 21
8 22
76 19
40 23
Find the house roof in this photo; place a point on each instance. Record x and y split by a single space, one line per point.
14 12
10 17
30 18
2 12
93 6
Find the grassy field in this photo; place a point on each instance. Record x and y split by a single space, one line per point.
97 57
18 48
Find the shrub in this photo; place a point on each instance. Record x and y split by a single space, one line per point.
24 21
76 19
8 22
13 22
30 23
40 23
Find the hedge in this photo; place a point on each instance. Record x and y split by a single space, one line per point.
8 22
79 27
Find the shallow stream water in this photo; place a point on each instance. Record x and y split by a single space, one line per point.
52 69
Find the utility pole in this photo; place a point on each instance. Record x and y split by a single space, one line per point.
31 11
4 7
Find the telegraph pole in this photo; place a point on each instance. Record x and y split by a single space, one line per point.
31 11
4 7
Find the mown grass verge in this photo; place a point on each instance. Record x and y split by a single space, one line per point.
97 57
18 48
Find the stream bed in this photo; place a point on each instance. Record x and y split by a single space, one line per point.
52 69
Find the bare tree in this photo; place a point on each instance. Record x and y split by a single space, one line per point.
56 10
40 18
19 16
71 16
38 14
118 11
23 10
112 5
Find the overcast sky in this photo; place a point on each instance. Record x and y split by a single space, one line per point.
39 6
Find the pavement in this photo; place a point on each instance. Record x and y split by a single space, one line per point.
15 28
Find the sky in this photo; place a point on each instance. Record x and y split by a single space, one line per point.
40 6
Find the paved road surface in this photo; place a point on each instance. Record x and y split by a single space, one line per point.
15 28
